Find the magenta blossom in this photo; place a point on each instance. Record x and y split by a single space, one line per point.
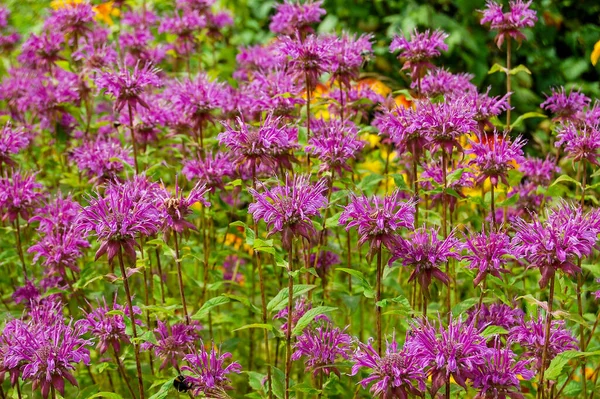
207 372
487 253
293 16
418 51
322 347
509 24
175 208
173 342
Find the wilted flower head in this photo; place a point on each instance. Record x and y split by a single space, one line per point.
495 155
322 346
566 235
289 207
19 195
509 24
102 159
418 51
378 219
501 375
496 314
396 375
455 351
425 252
108 328
127 86
531 335
118 217
173 342
487 253
581 142
296 16
12 140
174 208
207 372
269 144
334 143
566 106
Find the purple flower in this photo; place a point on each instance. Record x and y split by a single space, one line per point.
173 342
509 24
300 308
567 234
538 171
258 58
185 26
321 347
404 130
485 107
231 267
107 325
495 156
174 208
102 159
444 123
580 142
295 16
128 86
274 91
41 52
347 57
531 335
207 372
324 261
566 107
118 217
19 195
211 170
500 377
487 253
74 20
289 207
397 375
455 351
60 249
433 177
27 294
308 58
418 51
334 143
46 351
269 144
57 215
440 82
378 219
12 140
496 314
424 251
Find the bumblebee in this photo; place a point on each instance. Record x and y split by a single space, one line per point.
180 384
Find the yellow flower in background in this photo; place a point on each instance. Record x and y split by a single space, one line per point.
375 85
402 101
371 138
58 4
105 11
596 53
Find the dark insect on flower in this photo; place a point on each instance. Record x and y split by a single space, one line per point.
180 385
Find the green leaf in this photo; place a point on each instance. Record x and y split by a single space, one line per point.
565 178
208 305
464 306
255 380
519 68
309 316
280 300
110 395
401 300
455 176
527 115
493 330
556 365
249 232
497 68
278 381
255 325
163 392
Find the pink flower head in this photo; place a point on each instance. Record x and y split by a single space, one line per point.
296 16
418 51
509 24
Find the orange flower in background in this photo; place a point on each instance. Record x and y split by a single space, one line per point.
402 101
105 11
376 85
596 53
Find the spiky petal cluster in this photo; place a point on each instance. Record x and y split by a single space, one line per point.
494 156
288 208
348 56
211 170
396 375
440 82
107 325
509 24
127 86
207 372
42 51
334 143
496 314
173 342
322 347
566 106
103 160
444 123
174 208
60 250
378 219
418 51
118 217
56 215
75 20
538 171
19 195
12 140
45 349
425 252
455 351
531 335
487 253
500 377
293 16
581 143
555 244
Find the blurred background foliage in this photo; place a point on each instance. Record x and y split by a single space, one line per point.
557 50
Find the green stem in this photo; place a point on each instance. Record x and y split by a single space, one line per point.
288 333
546 339
377 299
180 278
